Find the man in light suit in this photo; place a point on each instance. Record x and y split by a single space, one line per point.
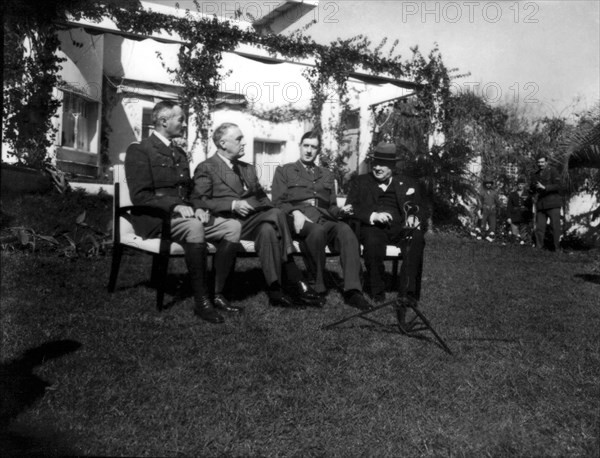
158 176
306 193
389 210
230 188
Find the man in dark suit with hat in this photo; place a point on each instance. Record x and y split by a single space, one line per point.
230 188
306 193
158 176
389 209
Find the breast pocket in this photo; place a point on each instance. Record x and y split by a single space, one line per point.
326 189
164 172
299 190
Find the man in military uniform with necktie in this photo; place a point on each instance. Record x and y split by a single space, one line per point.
306 193
158 176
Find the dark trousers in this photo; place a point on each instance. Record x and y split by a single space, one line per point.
541 217
411 242
273 243
488 217
340 238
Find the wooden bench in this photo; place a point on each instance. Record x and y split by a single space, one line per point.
162 249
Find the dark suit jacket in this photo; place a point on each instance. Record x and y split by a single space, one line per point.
518 207
157 177
293 186
364 192
216 187
549 197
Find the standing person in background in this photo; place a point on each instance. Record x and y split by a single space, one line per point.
519 212
487 205
546 186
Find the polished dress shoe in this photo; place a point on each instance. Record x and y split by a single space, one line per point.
304 294
223 304
205 309
356 298
280 299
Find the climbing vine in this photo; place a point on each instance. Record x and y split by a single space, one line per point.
31 69
200 69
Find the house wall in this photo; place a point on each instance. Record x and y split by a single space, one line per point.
126 123
129 63
82 73
288 134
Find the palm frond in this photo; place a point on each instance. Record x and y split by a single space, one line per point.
580 149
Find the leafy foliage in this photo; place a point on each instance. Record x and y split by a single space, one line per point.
72 224
31 68
200 68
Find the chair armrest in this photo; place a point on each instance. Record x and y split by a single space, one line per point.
165 215
147 210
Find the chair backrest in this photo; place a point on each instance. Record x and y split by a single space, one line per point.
119 177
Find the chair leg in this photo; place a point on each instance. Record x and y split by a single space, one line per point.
114 267
160 266
395 268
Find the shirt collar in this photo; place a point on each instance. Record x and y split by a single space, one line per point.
309 167
162 138
226 160
384 185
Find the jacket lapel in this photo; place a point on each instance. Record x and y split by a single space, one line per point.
224 172
398 189
301 171
372 188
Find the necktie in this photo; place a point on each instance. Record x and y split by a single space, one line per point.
236 169
172 147
310 169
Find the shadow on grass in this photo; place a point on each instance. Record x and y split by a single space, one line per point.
20 388
593 278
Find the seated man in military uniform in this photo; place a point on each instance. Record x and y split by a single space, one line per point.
306 193
158 175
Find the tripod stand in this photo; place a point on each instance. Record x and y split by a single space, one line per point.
418 322
411 328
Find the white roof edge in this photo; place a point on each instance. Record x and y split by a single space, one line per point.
108 25
182 12
243 49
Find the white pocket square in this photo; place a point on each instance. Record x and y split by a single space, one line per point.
410 191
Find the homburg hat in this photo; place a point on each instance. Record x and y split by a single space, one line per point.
384 152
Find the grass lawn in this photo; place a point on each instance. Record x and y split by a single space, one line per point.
124 379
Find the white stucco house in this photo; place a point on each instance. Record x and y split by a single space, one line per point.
113 79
